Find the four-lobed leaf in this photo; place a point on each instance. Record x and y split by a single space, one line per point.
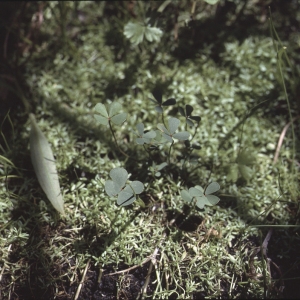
144 138
202 198
187 113
169 133
158 100
242 166
121 188
155 169
103 116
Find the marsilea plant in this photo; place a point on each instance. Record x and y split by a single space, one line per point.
160 139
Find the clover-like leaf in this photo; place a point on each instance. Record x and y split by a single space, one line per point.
157 168
244 161
144 137
119 177
137 186
246 157
103 115
169 134
187 113
119 118
173 125
186 196
126 197
212 188
202 198
158 100
117 187
182 136
114 108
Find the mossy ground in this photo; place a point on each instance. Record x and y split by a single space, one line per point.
222 68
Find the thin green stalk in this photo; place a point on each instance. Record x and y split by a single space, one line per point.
163 118
113 133
279 52
288 103
169 154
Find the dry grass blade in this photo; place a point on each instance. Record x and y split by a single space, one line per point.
44 165
280 141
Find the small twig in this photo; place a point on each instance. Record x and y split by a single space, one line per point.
153 263
82 280
134 267
264 245
2 271
282 135
263 248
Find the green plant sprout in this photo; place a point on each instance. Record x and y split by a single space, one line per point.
144 138
105 116
121 187
158 100
169 133
242 166
190 147
155 169
187 113
200 197
112 115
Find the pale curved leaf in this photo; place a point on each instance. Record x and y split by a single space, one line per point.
111 188
44 165
211 188
173 124
150 135
159 109
212 199
125 198
198 187
202 201
114 108
186 196
140 141
182 136
194 192
102 120
119 176
137 186
119 119
211 2
162 128
140 128
167 137
101 109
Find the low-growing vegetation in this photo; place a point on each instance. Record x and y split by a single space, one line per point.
150 150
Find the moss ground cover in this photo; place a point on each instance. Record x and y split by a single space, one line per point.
73 56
